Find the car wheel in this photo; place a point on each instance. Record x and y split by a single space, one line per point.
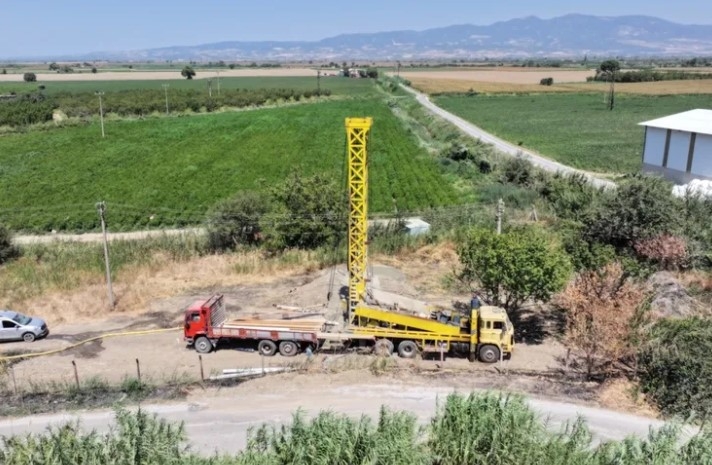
28 337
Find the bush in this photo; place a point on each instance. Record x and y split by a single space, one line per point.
513 267
675 367
236 221
29 77
547 81
8 250
518 171
640 208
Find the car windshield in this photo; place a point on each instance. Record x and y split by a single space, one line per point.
21 319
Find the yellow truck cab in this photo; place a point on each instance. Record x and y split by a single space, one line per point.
485 333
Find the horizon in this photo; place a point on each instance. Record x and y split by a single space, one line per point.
87 27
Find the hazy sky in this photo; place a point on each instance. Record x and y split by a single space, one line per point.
55 27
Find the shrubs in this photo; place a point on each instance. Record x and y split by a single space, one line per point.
29 77
8 250
479 429
600 307
675 367
547 81
513 267
236 221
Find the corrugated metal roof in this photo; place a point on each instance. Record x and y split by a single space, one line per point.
699 121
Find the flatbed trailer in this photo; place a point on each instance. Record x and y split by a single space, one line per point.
206 327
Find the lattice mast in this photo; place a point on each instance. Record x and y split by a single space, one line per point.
357 131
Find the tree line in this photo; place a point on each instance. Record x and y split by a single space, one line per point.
38 107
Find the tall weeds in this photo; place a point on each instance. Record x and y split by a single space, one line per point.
482 428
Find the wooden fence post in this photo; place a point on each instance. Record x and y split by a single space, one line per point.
138 371
76 374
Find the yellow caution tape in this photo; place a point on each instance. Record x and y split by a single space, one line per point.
95 338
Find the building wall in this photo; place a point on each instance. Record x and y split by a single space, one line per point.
654 146
702 161
678 150
667 153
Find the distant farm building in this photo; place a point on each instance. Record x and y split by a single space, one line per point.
679 147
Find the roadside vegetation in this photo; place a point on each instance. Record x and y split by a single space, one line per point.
482 428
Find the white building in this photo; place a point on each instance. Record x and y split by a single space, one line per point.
679 146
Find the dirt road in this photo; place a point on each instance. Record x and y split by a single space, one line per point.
219 420
504 146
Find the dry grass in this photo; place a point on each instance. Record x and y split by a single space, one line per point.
505 75
445 85
622 395
136 286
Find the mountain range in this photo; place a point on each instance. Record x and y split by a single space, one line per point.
572 35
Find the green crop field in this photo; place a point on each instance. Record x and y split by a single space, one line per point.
169 171
575 129
337 85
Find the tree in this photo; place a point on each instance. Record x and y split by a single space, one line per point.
513 267
675 367
4 71
53 66
188 72
601 308
236 221
93 70
8 250
640 208
29 77
547 81
310 212
609 68
372 73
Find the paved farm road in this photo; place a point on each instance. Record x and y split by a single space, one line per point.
220 423
501 145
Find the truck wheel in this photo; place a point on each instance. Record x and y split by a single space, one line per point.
28 337
203 345
267 348
407 349
489 354
383 348
288 349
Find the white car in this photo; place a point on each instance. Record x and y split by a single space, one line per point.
15 326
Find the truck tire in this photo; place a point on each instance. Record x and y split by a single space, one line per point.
383 348
203 345
407 349
489 354
28 337
288 349
267 348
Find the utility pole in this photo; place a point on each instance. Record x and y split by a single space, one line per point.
398 70
218 73
318 82
101 208
101 112
210 87
500 214
165 89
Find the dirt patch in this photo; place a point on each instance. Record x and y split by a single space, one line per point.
503 75
623 395
447 84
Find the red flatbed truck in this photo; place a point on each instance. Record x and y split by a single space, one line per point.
206 326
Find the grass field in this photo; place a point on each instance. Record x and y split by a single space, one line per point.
337 85
169 171
575 129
